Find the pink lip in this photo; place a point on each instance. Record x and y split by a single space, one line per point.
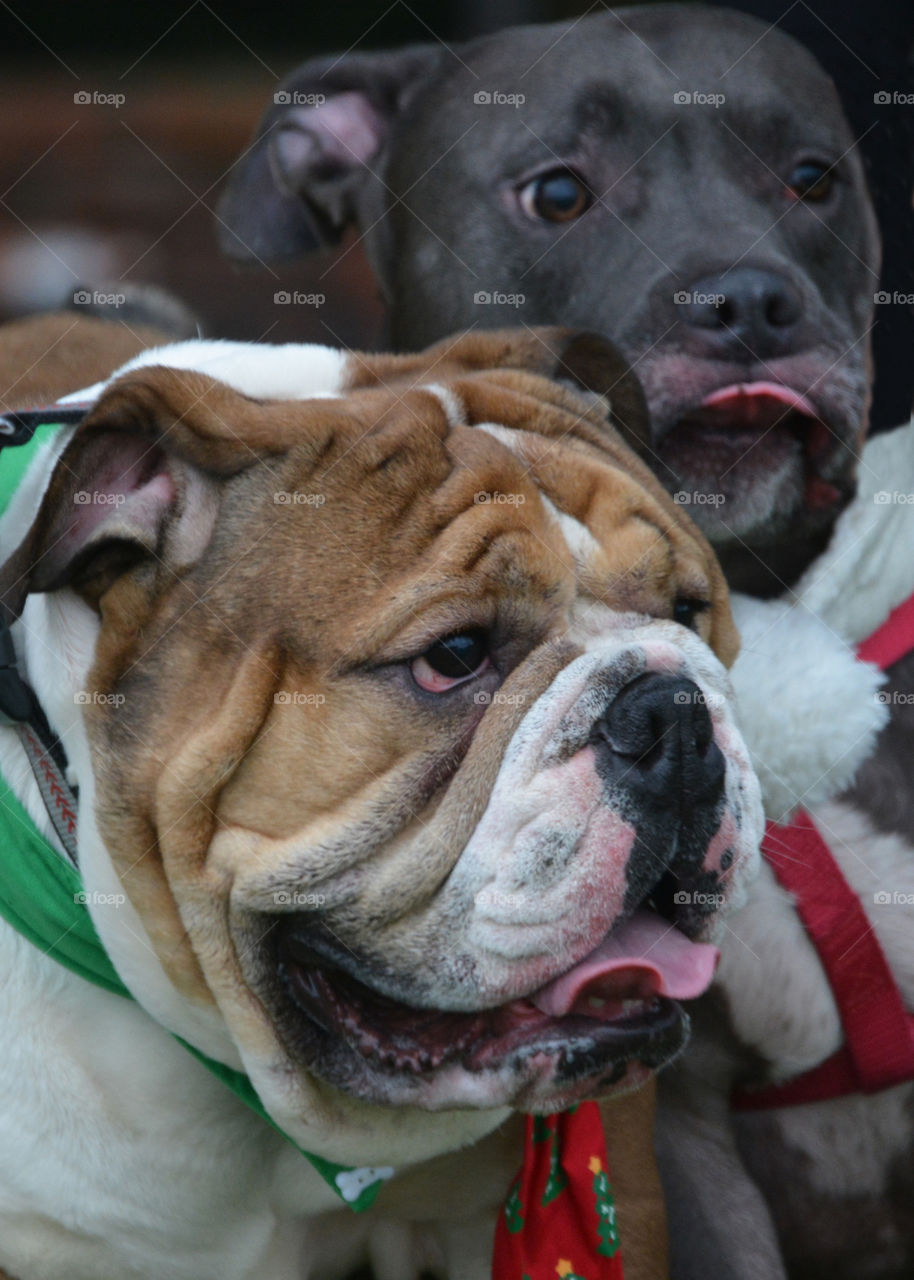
747 391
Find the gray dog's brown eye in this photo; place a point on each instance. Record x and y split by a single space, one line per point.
811 181
557 196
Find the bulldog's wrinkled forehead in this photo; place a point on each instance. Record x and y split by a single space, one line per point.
394 508
413 491
486 486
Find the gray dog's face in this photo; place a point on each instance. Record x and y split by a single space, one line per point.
682 180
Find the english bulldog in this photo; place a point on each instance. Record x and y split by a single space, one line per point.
393 691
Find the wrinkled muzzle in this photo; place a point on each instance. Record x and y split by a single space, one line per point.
623 823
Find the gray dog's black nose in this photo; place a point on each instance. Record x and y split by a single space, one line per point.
656 740
745 308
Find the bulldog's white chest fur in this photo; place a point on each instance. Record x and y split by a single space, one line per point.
98 1105
123 1158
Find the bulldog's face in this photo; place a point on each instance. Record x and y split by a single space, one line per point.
421 771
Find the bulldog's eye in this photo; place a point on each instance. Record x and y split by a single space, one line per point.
451 661
686 611
811 181
557 196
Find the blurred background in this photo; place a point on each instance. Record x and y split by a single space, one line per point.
124 186
121 122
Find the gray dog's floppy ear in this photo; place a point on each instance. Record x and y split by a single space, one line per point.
316 152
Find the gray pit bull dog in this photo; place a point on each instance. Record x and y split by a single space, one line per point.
679 178
682 179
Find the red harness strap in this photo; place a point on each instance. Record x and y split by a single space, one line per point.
879 1033
893 640
878 1049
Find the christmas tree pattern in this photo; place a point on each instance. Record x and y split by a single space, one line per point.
607 1229
557 1180
541 1129
514 1217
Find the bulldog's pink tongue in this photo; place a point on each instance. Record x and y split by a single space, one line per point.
645 957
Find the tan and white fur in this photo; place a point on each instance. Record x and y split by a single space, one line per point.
215 797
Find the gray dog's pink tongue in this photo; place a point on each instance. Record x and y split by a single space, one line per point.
645 957
752 398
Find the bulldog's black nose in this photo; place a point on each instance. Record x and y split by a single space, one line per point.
656 740
745 308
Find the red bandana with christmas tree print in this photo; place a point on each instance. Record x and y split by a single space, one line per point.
559 1219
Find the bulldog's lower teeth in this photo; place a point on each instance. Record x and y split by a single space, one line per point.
394 1039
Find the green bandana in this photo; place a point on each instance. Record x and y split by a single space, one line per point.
42 897
15 462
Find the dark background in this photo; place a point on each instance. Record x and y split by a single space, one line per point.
93 193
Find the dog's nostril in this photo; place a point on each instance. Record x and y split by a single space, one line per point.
657 739
648 709
703 731
781 308
747 304
724 315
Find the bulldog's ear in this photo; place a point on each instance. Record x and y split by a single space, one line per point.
588 362
593 364
318 147
139 481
